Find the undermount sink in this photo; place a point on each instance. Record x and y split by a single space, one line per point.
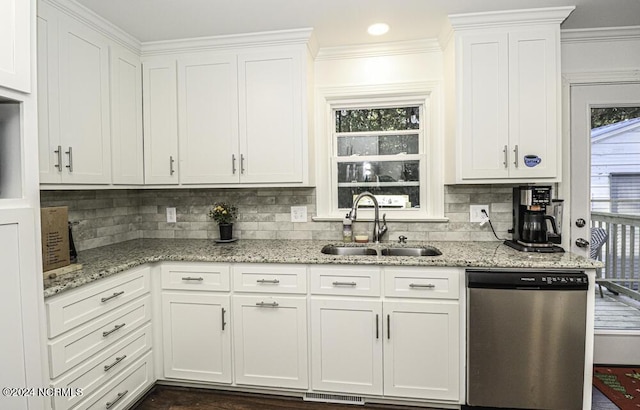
421 251
404 251
347 250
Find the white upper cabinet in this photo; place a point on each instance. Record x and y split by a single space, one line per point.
208 113
15 44
508 121
126 117
160 122
271 117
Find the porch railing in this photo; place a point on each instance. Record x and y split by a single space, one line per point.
621 252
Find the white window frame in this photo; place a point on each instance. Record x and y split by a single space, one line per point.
425 94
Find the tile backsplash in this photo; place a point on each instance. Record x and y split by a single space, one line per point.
103 217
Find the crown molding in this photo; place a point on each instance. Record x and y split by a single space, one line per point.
591 35
547 15
379 49
303 36
104 27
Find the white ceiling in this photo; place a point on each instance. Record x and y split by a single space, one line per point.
335 22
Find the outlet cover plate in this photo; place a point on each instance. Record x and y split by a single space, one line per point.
171 215
475 213
298 214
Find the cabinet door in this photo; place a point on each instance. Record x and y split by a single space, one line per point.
346 346
84 103
160 122
15 44
270 341
49 146
533 103
19 299
196 336
126 117
208 119
483 143
271 124
422 350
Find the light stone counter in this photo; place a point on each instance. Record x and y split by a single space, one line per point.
105 261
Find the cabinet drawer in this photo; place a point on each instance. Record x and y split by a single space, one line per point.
78 345
125 388
440 283
195 276
67 311
270 278
354 281
98 370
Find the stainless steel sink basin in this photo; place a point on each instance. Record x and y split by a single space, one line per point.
421 251
347 250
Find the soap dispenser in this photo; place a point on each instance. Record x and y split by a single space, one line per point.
347 231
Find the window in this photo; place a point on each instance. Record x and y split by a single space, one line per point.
386 143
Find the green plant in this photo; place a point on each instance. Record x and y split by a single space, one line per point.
223 213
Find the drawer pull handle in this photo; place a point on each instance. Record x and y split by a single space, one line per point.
193 279
223 322
271 305
274 281
419 285
117 399
118 360
116 327
115 295
344 284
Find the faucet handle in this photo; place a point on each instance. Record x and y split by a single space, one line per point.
402 239
382 229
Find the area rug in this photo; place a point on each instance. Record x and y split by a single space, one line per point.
620 384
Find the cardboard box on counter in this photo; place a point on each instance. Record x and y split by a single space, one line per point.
55 237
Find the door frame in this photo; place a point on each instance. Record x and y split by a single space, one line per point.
570 80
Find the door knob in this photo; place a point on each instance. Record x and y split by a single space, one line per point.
580 223
582 243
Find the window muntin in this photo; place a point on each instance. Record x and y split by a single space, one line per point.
380 150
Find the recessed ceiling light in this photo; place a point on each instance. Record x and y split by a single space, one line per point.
378 29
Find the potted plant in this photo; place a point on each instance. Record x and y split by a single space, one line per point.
224 214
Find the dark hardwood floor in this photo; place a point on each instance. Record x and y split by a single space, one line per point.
181 398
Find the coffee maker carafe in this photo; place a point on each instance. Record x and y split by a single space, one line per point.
530 228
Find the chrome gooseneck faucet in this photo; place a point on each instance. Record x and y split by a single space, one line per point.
378 231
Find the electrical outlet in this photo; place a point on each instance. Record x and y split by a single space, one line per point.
171 215
476 214
298 214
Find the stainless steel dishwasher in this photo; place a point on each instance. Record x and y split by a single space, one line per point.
526 338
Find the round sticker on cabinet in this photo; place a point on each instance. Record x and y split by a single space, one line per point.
532 160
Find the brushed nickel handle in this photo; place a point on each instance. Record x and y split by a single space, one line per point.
223 322
344 284
233 164
118 360
273 281
388 326
263 304
115 295
515 151
171 161
242 163
59 155
110 404
189 278
70 154
116 327
506 156
419 285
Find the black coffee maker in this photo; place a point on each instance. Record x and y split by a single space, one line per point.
530 228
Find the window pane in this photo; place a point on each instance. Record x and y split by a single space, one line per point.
378 171
388 196
378 119
377 145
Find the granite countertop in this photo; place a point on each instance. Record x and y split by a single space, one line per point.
108 260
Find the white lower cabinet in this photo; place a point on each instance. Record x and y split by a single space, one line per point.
270 340
346 345
196 336
422 349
